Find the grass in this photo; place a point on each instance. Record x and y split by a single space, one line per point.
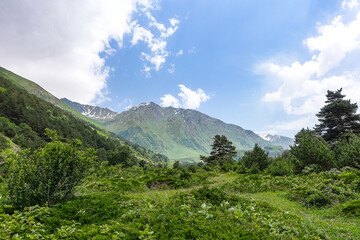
328 220
117 203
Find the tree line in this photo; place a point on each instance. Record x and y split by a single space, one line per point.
333 143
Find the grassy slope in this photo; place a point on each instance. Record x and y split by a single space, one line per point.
117 207
180 134
35 89
327 220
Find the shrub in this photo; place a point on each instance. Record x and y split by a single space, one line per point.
3 142
280 167
347 151
310 149
121 155
256 160
351 208
49 174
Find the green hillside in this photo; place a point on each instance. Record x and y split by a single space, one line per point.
38 91
180 134
24 118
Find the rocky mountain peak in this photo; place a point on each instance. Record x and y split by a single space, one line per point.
94 112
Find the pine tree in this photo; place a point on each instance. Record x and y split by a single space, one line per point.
222 151
337 117
256 160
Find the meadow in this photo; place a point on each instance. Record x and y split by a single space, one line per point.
193 203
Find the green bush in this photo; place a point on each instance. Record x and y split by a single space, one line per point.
310 149
8 128
280 167
3 142
49 174
331 187
351 208
347 151
256 160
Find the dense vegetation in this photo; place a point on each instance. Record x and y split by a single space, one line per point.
60 190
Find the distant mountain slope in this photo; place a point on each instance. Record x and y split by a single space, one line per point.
180 134
284 142
24 118
93 112
38 91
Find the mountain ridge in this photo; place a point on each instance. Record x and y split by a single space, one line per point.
284 142
181 134
94 112
40 92
22 109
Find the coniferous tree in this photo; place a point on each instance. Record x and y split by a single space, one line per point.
337 117
256 160
222 151
309 149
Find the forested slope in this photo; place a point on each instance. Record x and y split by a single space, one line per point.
24 118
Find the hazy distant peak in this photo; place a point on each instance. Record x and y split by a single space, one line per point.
283 141
94 112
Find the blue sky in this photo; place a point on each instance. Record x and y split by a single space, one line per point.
263 65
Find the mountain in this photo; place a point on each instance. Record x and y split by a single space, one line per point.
38 91
180 134
24 118
284 142
93 112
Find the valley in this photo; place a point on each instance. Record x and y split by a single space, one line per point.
80 180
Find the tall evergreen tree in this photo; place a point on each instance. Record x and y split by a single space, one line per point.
222 151
256 160
337 117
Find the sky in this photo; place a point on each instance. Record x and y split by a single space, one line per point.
260 64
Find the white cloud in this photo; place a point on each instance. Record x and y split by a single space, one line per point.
156 43
172 68
350 4
169 100
174 22
333 65
304 85
189 99
304 122
179 53
57 43
126 104
192 50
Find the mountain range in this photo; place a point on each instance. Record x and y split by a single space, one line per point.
26 110
180 134
277 140
184 134
93 112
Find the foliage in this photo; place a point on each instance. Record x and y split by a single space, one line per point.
200 214
280 166
337 117
3 142
256 160
347 151
49 174
222 151
117 203
351 208
326 188
121 155
309 149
